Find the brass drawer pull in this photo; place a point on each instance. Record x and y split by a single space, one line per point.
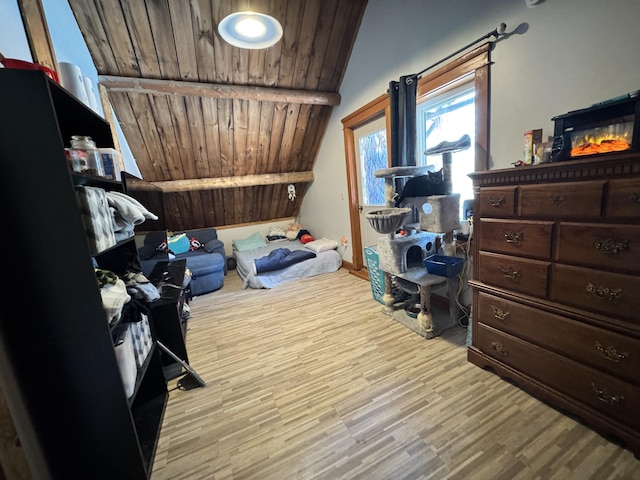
500 348
609 246
606 397
511 273
500 314
497 201
604 292
610 353
558 198
635 197
513 237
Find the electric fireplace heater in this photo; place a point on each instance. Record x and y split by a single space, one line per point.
608 127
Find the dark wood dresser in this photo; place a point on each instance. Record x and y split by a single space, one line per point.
556 303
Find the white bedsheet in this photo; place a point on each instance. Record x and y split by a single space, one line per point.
325 262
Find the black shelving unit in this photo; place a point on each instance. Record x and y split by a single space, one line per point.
58 366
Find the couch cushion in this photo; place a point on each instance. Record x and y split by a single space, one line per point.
154 239
146 252
213 245
205 264
203 235
206 283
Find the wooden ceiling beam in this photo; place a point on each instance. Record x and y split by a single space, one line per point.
234 182
151 86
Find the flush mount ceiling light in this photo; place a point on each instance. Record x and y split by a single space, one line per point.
250 30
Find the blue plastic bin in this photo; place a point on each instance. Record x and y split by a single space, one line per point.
444 265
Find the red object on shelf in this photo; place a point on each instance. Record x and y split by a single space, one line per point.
23 65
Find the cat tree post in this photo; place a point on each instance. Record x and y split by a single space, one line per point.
389 194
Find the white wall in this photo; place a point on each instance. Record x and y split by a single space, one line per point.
569 55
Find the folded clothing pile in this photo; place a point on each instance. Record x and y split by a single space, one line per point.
127 212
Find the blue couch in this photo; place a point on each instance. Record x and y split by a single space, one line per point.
207 264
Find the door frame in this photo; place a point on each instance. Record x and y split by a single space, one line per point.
371 111
476 61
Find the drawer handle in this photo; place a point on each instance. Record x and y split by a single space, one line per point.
609 246
513 237
500 314
606 397
497 201
558 198
610 353
606 293
500 348
635 197
511 273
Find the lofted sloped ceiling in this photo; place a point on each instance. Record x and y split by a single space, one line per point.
222 130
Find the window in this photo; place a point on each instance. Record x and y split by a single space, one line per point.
472 66
372 153
446 115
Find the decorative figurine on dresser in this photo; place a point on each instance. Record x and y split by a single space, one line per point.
557 277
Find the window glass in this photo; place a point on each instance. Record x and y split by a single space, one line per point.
445 116
372 151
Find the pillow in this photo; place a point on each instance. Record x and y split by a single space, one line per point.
250 243
292 230
322 244
306 238
179 244
194 244
213 245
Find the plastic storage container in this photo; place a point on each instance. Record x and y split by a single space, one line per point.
85 156
110 163
444 265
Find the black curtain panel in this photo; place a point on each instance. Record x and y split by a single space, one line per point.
403 123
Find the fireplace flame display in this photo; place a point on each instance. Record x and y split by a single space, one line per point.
607 127
615 137
592 147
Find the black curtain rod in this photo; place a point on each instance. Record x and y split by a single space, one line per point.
493 33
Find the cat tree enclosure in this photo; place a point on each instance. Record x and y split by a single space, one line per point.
401 257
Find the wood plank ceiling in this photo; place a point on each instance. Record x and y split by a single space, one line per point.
222 130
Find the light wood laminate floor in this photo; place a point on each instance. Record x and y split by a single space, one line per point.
310 380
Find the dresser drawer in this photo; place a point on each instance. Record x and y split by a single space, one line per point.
518 274
614 397
608 246
524 238
607 351
496 202
562 200
611 294
623 199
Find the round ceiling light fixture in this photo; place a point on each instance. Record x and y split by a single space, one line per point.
250 30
